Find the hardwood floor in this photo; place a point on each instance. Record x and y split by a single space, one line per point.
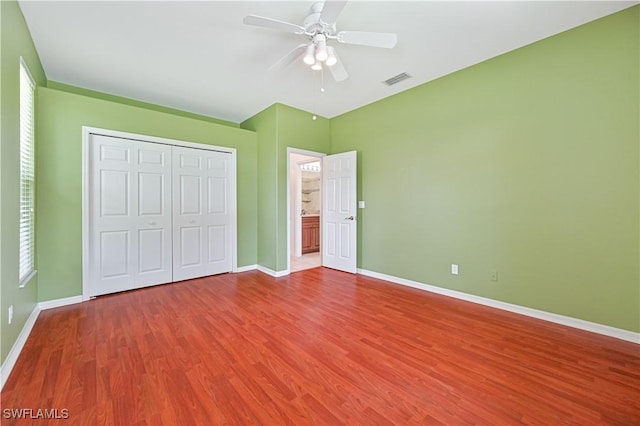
316 347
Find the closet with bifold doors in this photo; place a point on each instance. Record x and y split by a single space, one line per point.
156 213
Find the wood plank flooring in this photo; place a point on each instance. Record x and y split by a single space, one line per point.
318 347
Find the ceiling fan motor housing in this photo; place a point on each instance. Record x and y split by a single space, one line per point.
312 22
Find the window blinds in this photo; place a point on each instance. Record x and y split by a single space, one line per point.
27 183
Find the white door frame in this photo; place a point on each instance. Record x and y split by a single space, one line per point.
290 151
86 136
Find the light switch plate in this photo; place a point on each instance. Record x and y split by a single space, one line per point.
361 204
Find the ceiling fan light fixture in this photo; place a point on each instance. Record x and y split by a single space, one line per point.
321 51
309 57
320 41
317 66
332 59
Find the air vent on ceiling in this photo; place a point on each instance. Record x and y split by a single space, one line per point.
396 79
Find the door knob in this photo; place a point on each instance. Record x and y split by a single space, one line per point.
350 218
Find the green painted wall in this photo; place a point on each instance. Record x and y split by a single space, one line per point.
59 215
15 41
280 127
133 102
527 164
264 124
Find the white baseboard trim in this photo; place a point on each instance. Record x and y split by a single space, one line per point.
14 353
245 268
56 303
593 327
271 272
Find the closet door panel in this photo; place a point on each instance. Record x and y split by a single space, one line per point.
130 214
201 221
190 247
153 218
188 238
115 247
151 250
217 244
218 218
111 215
157 213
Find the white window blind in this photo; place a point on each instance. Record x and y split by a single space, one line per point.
27 183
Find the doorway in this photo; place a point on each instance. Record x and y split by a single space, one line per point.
305 206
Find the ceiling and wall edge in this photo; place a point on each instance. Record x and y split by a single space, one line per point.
133 102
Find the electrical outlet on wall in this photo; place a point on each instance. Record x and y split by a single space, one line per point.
494 275
454 269
10 314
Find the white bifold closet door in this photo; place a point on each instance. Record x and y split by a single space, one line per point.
130 222
201 215
158 213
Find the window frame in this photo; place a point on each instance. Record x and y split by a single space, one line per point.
27 183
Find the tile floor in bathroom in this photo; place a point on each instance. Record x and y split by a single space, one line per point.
306 261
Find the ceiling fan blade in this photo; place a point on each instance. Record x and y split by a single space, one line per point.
289 58
330 11
386 40
274 24
338 71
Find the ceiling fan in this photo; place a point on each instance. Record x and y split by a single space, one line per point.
320 27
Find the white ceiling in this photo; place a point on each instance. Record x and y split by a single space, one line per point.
199 57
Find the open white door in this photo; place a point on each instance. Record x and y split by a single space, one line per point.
339 204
